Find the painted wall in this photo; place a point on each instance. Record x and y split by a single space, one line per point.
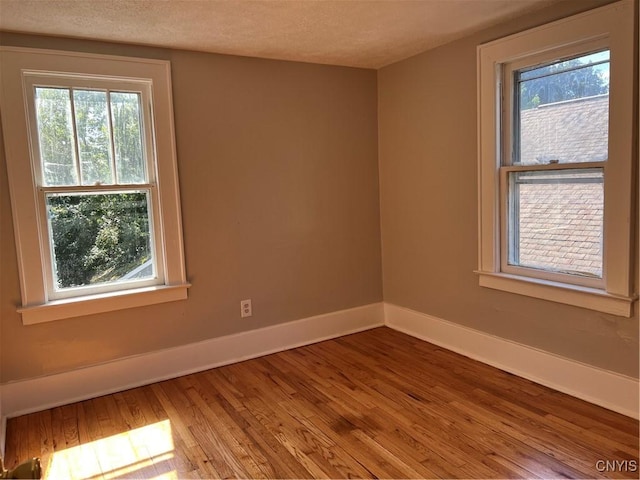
279 178
429 211
279 186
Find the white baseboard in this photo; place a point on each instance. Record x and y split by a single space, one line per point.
3 434
27 396
608 389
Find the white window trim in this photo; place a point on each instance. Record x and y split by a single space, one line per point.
144 88
613 26
36 308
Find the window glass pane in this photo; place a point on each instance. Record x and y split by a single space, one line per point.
55 136
590 59
94 143
127 137
555 220
100 238
563 111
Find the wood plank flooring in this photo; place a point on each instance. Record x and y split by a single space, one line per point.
373 404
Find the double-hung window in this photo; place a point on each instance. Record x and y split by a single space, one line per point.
555 167
92 171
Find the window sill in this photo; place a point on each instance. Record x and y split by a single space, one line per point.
100 303
585 297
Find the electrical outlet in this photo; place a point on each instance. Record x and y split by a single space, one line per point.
245 308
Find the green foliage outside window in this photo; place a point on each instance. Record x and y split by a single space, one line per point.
98 238
93 138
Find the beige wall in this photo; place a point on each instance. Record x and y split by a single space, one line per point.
428 170
279 185
279 178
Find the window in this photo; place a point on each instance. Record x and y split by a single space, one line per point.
552 171
92 171
555 162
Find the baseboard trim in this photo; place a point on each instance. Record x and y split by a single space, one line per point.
595 385
27 396
3 434
601 387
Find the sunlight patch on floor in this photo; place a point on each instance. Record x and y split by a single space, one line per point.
145 452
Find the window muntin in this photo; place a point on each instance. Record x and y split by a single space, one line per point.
89 137
96 184
553 218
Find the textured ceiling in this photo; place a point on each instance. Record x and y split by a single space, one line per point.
359 33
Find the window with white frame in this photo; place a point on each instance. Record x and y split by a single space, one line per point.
92 170
555 161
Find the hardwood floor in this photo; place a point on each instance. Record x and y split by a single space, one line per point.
373 404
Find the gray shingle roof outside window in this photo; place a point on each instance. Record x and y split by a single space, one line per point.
570 131
561 225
